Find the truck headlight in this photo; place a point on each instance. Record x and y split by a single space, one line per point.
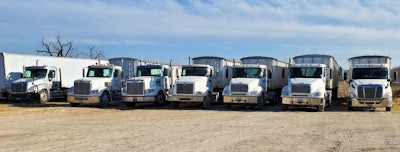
108 84
150 90
94 92
318 94
33 89
199 93
123 90
253 93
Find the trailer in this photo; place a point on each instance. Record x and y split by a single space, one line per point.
45 77
313 82
128 65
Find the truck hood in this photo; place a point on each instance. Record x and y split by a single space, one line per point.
359 82
200 82
316 85
252 83
97 83
26 80
148 81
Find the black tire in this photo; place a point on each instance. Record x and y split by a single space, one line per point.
260 102
43 96
160 99
285 107
207 100
320 108
349 107
228 105
130 104
74 104
104 99
175 104
388 109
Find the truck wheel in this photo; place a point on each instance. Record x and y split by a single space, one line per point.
130 104
74 104
285 107
160 99
388 109
104 99
320 108
228 105
349 107
207 100
43 97
175 104
260 102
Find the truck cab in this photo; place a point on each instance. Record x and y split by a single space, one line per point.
150 85
247 86
306 87
369 83
101 85
36 83
195 85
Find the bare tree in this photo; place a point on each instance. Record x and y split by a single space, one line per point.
57 48
93 53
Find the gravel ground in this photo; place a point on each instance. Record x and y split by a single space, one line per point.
58 127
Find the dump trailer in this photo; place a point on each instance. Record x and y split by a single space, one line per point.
369 82
101 85
46 77
151 84
313 80
202 81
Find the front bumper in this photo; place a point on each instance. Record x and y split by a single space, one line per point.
382 103
302 101
186 98
22 96
139 99
83 99
240 99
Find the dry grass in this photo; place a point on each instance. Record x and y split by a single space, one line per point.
396 97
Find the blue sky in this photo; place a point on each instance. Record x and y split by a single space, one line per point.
161 30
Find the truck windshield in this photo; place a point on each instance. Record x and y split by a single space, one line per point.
35 73
195 71
306 72
99 72
370 73
149 72
246 73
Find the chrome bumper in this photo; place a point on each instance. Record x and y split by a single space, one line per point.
82 99
240 99
138 99
371 103
186 98
302 101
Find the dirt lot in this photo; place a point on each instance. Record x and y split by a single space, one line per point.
58 127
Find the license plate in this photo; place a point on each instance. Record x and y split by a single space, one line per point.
17 98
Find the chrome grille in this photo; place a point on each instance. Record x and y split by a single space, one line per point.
82 87
135 88
239 88
18 87
301 89
369 92
184 88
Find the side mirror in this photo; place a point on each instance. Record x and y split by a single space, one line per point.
388 80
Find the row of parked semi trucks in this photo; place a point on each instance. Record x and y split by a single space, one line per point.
307 81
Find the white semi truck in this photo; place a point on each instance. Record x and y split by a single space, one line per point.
369 82
45 77
313 80
101 85
257 81
202 81
150 84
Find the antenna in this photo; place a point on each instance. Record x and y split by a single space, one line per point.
37 62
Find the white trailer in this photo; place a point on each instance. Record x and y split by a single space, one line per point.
101 85
46 77
202 81
128 65
395 75
313 80
151 84
369 82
